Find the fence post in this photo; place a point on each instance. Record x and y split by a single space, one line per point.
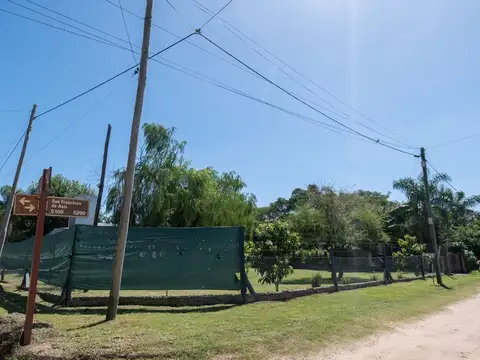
422 266
66 295
334 272
243 275
385 271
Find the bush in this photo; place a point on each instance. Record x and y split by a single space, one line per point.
346 280
374 277
400 275
470 260
317 280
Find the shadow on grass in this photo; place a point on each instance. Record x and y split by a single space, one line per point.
16 303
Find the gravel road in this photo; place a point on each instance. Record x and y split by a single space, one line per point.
451 334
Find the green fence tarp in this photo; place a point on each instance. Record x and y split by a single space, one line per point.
155 258
54 258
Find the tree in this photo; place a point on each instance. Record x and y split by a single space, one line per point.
450 208
168 192
409 247
271 252
24 226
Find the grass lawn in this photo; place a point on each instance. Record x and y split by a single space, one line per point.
253 331
300 279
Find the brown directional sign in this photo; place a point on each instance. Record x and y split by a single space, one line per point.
66 207
26 205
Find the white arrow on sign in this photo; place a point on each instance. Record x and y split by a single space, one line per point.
25 200
30 207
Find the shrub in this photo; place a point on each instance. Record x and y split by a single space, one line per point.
317 280
470 260
374 277
400 275
346 280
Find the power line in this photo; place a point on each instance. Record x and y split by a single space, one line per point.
215 15
454 141
126 30
56 137
113 77
179 14
13 150
219 84
79 22
303 102
58 28
63 23
225 23
446 181
123 48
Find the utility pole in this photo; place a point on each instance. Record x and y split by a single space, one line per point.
8 209
130 171
102 177
431 224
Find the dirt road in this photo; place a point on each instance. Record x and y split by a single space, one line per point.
448 335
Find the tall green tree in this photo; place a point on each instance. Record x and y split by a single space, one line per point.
168 192
450 208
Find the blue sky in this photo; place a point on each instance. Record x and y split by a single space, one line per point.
412 66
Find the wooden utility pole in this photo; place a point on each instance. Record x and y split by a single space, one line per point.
130 171
431 224
102 177
8 209
37 248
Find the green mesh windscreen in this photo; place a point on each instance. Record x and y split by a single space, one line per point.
155 258
54 259
159 258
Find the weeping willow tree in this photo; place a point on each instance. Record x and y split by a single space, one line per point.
168 192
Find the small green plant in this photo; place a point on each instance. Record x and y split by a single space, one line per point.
374 277
346 280
400 275
317 280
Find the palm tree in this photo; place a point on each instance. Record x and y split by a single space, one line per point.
450 208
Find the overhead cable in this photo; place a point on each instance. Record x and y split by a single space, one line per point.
112 78
446 181
126 30
302 101
231 27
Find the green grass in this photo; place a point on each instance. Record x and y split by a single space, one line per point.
300 279
255 331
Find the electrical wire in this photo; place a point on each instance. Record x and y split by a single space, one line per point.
188 42
126 30
133 52
112 78
454 141
54 27
302 101
438 173
80 22
225 23
215 15
179 14
221 85
90 35
59 135
13 150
